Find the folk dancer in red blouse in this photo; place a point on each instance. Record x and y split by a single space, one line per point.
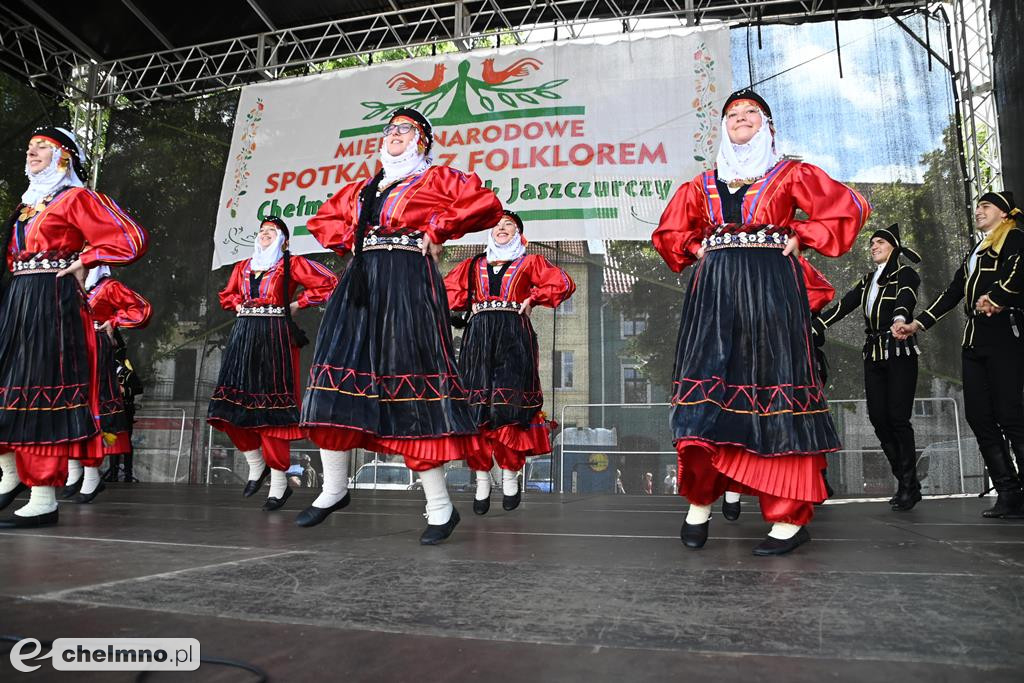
748 410
256 402
498 357
49 394
113 307
384 375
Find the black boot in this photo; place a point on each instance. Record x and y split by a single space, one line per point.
694 535
72 490
129 476
731 511
892 454
253 485
909 493
1009 498
8 498
435 533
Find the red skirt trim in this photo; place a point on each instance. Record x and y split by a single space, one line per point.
420 453
794 476
528 441
119 447
286 432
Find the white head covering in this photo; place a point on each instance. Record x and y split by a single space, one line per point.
95 275
51 178
264 259
749 161
509 251
409 162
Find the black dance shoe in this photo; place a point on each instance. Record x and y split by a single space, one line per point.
776 546
253 485
481 507
313 515
8 498
694 535
435 533
906 501
1007 502
512 502
70 490
277 503
83 498
731 511
16 522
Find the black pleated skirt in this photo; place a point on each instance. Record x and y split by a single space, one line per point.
498 361
113 418
256 384
387 369
744 372
44 362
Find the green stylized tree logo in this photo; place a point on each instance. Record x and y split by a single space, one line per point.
495 95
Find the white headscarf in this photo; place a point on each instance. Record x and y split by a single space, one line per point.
509 251
51 178
409 162
749 161
95 275
264 259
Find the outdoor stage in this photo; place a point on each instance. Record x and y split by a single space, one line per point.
574 588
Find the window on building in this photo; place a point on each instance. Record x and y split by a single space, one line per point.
924 408
567 306
635 387
562 369
633 324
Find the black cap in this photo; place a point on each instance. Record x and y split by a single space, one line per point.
410 113
892 236
748 94
515 217
67 143
1004 200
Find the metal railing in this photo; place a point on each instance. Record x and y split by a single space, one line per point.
562 450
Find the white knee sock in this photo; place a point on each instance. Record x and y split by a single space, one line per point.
509 482
90 480
483 485
256 464
698 514
9 467
439 506
42 501
75 470
783 531
335 477
732 497
278 483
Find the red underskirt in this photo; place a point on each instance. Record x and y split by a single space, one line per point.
420 454
794 477
121 446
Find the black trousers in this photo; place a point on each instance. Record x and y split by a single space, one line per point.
993 377
890 386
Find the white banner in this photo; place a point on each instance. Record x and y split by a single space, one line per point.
584 139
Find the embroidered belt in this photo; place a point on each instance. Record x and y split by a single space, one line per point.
770 236
497 305
261 312
412 242
39 264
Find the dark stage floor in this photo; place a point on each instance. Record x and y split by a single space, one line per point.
586 588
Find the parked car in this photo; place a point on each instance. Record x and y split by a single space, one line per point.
386 476
460 479
538 474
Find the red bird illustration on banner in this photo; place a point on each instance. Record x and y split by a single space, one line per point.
407 81
518 69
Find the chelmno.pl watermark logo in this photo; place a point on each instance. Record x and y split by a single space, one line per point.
109 654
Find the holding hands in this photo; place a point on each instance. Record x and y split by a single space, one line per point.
904 330
986 306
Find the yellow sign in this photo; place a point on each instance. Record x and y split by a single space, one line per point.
598 462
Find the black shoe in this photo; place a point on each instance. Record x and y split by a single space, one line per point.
70 490
313 515
775 546
435 533
1007 502
481 507
731 511
253 485
278 503
907 501
512 502
16 522
83 498
8 498
694 535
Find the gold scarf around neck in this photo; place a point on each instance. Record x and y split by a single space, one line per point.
996 236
